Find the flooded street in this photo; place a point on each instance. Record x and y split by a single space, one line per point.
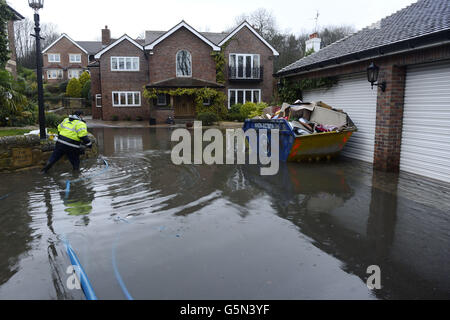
221 232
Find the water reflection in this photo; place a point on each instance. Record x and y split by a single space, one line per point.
224 231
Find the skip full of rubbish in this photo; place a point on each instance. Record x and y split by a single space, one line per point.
308 130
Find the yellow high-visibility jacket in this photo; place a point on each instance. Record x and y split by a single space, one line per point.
72 132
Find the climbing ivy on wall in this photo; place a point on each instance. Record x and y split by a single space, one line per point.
217 98
5 16
219 59
289 91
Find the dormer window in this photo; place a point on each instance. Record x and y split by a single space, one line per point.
184 64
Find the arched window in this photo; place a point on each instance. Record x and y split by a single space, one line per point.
184 64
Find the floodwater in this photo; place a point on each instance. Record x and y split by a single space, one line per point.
221 232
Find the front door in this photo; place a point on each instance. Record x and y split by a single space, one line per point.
184 106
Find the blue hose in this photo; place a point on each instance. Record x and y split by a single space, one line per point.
69 182
116 269
85 283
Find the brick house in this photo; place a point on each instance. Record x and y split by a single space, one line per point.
11 64
65 58
407 126
179 58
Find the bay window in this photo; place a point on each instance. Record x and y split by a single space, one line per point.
74 73
53 74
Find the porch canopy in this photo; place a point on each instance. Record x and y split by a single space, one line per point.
174 83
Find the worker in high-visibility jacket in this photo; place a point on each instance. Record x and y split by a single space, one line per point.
72 135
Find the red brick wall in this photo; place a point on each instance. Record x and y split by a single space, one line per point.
389 122
123 81
64 47
162 64
246 42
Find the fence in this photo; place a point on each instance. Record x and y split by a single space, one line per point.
65 105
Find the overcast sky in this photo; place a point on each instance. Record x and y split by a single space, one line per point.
83 19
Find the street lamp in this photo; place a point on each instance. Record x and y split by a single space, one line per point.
372 75
36 5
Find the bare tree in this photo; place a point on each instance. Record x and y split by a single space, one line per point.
262 20
25 43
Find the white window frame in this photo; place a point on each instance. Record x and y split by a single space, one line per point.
97 98
71 55
127 104
59 73
244 90
69 73
53 56
244 56
125 64
176 65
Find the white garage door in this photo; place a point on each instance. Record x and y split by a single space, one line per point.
426 121
354 95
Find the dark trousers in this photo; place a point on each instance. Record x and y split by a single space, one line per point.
73 154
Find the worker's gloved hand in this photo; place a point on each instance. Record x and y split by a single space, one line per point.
82 150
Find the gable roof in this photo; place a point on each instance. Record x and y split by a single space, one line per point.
246 24
425 20
17 15
115 43
68 38
214 37
182 24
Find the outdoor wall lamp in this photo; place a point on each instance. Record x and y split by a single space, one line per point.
372 75
36 5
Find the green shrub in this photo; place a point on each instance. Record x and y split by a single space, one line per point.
115 118
52 120
234 113
52 88
250 110
207 118
63 86
139 118
85 77
127 118
86 93
74 88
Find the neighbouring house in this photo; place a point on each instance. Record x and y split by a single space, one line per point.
66 58
407 126
11 65
181 58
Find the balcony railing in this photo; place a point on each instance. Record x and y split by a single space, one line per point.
245 74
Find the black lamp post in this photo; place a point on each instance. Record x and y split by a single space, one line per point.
36 5
372 75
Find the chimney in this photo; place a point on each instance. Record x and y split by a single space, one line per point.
313 42
106 37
